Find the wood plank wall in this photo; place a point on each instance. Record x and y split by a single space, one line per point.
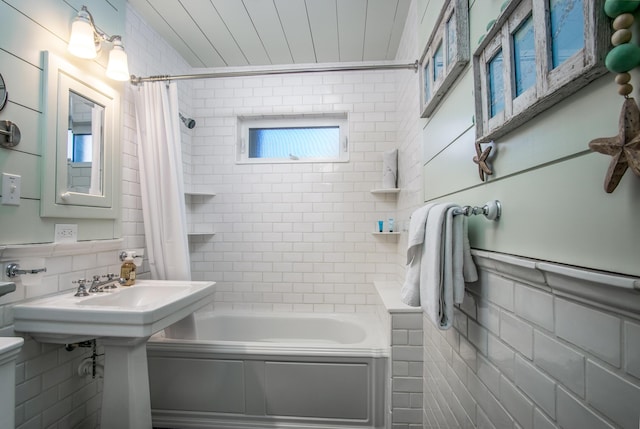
550 184
28 27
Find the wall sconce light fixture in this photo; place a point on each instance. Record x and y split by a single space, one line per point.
85 42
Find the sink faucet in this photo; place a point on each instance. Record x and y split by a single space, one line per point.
100 286
82 288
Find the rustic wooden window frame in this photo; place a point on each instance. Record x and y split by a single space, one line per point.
552 85
456 12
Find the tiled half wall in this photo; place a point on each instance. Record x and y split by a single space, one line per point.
536 345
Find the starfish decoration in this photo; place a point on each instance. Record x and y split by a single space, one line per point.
624 148
481 160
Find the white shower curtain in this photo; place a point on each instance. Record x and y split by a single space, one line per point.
161 179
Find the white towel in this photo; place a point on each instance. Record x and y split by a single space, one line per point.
410 292
445 263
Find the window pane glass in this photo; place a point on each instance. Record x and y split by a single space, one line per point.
79 147
427 83
305 142
567 29
496 84
524 56
82 148
451 40
438 64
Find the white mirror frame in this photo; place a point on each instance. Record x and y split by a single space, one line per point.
59 77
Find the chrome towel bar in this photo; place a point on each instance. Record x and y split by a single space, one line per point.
491 210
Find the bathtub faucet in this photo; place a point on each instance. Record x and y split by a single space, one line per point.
100 286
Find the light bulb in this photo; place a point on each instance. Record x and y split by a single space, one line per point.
81 42
118 67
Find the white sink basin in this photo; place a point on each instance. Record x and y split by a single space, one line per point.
136 297
137 311
123 320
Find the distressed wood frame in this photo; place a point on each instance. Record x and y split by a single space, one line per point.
456 12
552 85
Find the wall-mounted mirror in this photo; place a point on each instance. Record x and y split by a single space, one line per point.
85 149
81 177
4 95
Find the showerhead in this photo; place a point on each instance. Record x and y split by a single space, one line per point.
190 123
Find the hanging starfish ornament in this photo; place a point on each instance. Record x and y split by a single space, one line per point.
481 160
624 148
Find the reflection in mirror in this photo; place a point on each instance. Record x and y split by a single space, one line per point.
4 95
85 145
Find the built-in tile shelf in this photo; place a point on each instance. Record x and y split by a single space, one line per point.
198 193
385 191
196 229
200 234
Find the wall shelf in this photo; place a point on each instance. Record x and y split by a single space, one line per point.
200 234
386 191
202 194
195 223
386 233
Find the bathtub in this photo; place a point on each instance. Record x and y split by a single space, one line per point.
270 370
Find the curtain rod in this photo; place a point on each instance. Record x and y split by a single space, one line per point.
136 79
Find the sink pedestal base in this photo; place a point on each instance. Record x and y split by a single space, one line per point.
125 398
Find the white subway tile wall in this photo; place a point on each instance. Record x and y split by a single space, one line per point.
574 368
406 370
294 236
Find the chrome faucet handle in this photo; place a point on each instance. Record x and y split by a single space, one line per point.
82 287
110 277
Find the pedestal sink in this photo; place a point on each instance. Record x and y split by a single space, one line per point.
123 320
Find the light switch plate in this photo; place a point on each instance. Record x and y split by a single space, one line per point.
10 189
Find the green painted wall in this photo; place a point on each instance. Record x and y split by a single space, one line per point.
550 184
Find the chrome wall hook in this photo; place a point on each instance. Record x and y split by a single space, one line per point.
10 134
14 270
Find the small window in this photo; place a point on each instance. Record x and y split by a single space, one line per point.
451 37
438 64
304 138
567 29
524 56
496 83
427 81
445 55
535 50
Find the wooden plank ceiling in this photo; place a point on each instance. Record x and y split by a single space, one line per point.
221 33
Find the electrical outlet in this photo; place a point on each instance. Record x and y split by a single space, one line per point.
66 232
